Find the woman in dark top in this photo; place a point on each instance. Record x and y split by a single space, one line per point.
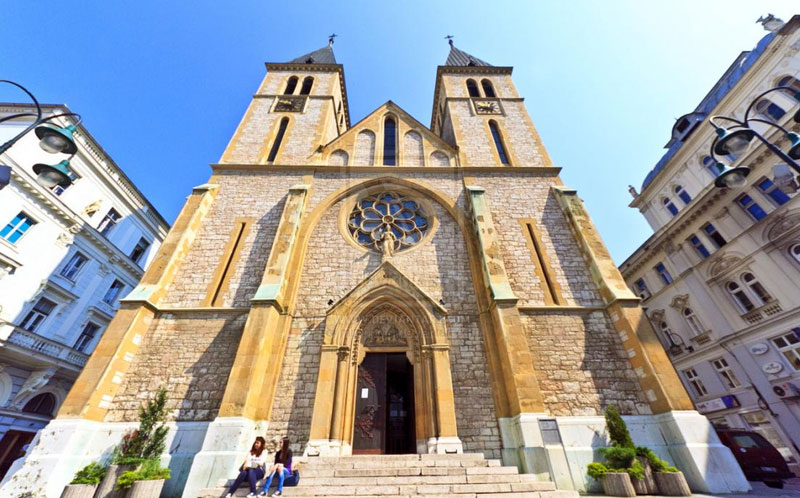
282 467
251 469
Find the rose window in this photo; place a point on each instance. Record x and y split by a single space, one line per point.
376 214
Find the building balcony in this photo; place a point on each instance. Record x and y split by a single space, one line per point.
701 339
771 308
38 345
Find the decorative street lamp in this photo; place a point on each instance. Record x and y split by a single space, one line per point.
52 139
738 138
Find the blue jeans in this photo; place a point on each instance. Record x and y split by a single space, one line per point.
283 475
252 475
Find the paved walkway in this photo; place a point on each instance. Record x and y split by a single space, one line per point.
791 489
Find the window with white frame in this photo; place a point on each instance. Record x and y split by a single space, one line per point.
699 246
40 311
740 297
759 291
770 109
641 289
695 326
113 292
694 380
710 165
139 250
716 238
87 335
662 271
776 195
17 227
111 218
682 194
666 332
670 206
752 207
726 373
73 266
792 82
789 346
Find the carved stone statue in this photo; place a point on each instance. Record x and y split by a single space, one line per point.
92 208
387 245
34 382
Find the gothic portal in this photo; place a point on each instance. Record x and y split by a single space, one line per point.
381 287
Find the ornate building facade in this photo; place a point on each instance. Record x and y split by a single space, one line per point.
67 255
719 277
383 287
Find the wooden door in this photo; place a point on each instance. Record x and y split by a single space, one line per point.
11 448
369 427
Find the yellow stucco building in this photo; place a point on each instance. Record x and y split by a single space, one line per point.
383 288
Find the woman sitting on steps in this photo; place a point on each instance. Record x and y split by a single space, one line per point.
282 467
252 469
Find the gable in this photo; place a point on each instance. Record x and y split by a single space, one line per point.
363 144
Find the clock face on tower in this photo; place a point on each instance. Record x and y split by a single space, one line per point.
289 103
486 106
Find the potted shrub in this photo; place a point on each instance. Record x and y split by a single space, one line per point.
616 482
85 482
145 482
145 443
620 437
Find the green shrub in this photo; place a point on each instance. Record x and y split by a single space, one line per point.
91 474
149 471
618 456
617 430
149 440
596 470
656 463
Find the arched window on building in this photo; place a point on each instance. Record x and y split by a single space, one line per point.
488 89
695 326
760 292
472 88
498 142
794 252
770 109
670 206
741 299
276 144
291 84
41 404
682 194
308 82
792 82
389 142
710 165
667 333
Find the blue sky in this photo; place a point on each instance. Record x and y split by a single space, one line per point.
162 85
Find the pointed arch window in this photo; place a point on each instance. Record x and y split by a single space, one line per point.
291 84
276 145
694 323
498 142
389 142
741 299
472 88
308 82
760 292
488 89
683 194
673 210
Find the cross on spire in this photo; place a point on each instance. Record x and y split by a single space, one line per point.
330 38
449 39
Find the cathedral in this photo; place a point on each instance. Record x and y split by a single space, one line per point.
382 288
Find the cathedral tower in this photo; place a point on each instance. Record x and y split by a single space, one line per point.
381 288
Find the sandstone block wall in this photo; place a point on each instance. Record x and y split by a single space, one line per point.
581 364
190 354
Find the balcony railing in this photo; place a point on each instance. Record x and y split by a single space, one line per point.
771 308
34 342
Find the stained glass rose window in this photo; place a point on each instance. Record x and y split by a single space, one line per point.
375 214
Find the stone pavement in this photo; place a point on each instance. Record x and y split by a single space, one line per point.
760 490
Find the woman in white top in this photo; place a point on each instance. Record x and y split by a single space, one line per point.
252 468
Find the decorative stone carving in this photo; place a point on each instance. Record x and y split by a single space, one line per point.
680 301
35 381
92 208
723 263
657 315
388 242
64 239
782 224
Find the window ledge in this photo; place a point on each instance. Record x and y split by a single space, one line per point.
769 309
703 338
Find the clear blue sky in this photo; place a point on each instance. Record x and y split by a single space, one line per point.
163 84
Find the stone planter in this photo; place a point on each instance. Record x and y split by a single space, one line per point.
146 489
646 486
618 484
672 484
78 491
106 488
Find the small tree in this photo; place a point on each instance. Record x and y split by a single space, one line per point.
617 430
149 440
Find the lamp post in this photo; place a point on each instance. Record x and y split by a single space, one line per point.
52 139
737 139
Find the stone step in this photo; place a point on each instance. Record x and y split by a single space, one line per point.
219 493
426 479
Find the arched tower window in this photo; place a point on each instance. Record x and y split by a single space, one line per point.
694 323
291 84
276 145
673 210
488 89
498 142
308 82
389 142
683 194
41 404
472 88
758 289
741 299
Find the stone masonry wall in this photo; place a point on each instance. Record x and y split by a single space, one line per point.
581 364
190 354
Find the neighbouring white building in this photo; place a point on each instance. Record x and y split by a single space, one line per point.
720 276
66 258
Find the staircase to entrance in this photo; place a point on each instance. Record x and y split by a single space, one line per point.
467 475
